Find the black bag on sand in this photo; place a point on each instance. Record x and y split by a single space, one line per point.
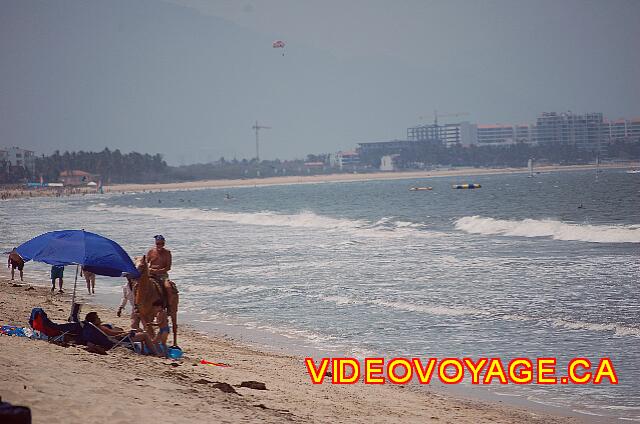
10 414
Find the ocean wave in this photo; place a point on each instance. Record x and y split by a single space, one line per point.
227 289
440 310
617 329
384 227
557 230
304 219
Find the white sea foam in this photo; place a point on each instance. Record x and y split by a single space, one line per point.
340 300
385 227
430 309
303 219
617 329
557 230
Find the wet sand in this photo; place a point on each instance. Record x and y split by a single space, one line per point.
68 384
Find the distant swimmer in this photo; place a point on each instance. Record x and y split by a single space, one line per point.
227 196
580 207
159 201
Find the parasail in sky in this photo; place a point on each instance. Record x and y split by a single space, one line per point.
279 44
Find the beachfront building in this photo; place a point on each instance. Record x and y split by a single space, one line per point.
627 130
342 160
633 130
463 133
584 132
15 157
382 148
388 162
496 135
588 132
524 133
76 178
4 166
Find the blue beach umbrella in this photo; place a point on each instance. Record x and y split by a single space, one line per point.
94 252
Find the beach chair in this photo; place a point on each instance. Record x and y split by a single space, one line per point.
92 334
53 331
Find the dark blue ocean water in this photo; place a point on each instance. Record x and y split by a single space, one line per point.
543 266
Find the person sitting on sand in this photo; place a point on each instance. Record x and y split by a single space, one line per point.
136 336
90 278
128 297
16 261
57 272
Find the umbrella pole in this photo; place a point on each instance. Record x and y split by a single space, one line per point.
73 298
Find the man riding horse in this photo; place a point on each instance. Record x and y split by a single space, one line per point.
155 265
159 260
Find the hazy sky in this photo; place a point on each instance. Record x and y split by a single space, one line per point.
188 78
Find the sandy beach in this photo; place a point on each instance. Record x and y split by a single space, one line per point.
67 384
315 179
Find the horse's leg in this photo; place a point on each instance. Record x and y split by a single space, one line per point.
173 312
147 319
172 299
174 323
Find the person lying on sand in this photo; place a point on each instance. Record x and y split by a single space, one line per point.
136 336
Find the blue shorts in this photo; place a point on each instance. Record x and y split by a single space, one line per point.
57 272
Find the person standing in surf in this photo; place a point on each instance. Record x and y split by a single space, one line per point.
90 278
16 261
57 272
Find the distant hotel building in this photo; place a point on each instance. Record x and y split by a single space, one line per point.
622 130
496 134
585 132
588 131
16 157
468 134
463 133
342 160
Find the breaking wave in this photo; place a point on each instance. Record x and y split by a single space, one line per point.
617 329
557 230
385 227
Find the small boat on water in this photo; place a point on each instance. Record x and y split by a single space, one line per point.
420 188
465 186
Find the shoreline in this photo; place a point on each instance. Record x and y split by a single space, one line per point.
23 192
38 373
373 176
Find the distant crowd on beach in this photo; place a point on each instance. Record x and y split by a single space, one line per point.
21 192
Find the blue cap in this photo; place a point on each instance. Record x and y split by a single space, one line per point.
159 237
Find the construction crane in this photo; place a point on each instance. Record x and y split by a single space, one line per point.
437 115
257 128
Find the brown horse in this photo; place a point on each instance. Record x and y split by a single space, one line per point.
147 291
